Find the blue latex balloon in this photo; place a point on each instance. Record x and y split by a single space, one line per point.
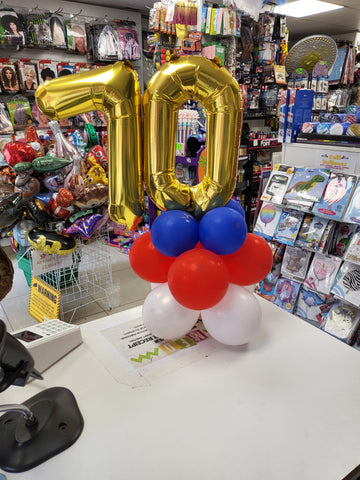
174 232
235 206
222 230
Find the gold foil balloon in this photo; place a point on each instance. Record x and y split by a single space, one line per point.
115 90
195 78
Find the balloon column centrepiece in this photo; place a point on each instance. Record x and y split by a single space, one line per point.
198 249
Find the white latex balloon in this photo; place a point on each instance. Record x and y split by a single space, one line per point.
235 319
164 317
154 285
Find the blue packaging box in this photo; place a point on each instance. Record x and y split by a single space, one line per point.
299 111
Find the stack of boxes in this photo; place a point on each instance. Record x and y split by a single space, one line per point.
295 108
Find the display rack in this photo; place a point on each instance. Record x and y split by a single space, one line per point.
87 280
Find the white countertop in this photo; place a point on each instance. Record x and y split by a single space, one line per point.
284 407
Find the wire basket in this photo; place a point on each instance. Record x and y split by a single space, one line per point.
87 281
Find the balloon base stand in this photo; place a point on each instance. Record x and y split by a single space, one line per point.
58 425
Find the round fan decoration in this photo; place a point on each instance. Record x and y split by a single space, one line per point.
310 50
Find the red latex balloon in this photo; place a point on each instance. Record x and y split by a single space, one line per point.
251 263
198 279
147 262
15 152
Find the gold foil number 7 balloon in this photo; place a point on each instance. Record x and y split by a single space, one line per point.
115 90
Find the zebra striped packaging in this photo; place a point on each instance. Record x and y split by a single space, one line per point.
347 283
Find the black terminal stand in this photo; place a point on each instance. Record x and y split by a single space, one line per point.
45 425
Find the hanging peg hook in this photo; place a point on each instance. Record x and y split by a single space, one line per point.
76 14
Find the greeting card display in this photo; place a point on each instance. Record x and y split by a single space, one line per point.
267 220
342 321
266 288
311 232
336 196
352 213
322 272
286 292
306 187
295 263
313 306
341 239
5 120
11 28
353 252
347 283
288 226
277 185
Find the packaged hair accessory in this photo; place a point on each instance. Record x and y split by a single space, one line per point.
58 31
13 31
28 75
38 28
76 36
8 77
20 111
106 42
47 70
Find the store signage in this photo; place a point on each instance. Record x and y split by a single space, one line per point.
44 262
336 160
44 300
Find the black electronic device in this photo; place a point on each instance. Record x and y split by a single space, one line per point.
44 425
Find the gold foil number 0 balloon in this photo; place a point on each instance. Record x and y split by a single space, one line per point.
115 90
195 78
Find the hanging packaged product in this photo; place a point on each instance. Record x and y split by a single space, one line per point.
8 77
13 29
76 36
28 76
38 28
